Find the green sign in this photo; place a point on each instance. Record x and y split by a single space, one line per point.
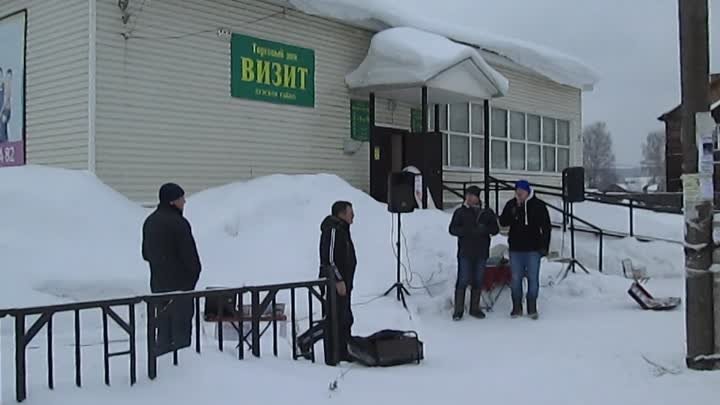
416 121
272 72
360 120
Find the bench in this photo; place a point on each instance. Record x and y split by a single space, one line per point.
237 321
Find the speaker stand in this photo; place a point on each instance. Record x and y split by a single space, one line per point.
572 262
398 286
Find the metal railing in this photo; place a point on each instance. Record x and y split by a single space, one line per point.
261 298
458 188
569 218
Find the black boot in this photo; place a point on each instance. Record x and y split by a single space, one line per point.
532 309
475 304
459 304
517 310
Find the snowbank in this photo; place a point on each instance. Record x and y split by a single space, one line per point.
407 56
382 14
267 230
65 235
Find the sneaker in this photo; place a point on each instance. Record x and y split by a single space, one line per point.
478 314
457 316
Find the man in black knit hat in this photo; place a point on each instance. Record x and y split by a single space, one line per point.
169 247
473 226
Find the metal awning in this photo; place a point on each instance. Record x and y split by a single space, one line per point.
401 61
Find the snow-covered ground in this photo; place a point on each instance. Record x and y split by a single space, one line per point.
588 346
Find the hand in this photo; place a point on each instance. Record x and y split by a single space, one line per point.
341 288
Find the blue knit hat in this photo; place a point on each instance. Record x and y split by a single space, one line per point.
522 185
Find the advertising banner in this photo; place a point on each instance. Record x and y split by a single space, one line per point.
12 90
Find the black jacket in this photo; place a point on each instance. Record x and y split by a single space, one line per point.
529 224
473 227
168 245
337 251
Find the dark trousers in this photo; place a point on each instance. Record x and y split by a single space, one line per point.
317 332
471 272
174 324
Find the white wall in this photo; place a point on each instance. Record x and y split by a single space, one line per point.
164 110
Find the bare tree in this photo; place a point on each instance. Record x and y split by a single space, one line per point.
653 151
598 156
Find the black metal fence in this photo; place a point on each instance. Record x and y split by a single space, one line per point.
229 309
633 203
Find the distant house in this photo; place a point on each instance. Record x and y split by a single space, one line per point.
673 140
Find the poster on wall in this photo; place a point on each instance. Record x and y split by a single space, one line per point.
12 90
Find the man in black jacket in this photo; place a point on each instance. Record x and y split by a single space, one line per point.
528 240
473 226
337 262
169 247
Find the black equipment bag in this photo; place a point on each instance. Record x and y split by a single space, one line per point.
386 348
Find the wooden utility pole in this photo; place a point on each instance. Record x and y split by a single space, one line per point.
698 202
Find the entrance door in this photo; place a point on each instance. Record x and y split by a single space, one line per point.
424 151
385 156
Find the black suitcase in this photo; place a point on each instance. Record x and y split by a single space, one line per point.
387 348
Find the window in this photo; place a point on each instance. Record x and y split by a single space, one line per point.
549 159
459 118
533 128
517 156
519 141
563 128
478 152
533 158
499 123
445 149
517 125
478 119
549 131
459 151
499 158
563 159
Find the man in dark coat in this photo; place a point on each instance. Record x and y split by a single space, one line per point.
473 226
528 240
337 262
169 247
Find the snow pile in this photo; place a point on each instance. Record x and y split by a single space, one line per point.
268 230
381 14
65 235
407 56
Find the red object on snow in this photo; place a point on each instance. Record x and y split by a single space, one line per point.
497 276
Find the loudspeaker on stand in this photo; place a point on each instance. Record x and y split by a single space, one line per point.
401 192
573 184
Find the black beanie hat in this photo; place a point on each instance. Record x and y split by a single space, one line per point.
170 192
474 190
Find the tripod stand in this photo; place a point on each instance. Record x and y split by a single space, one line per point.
398 286
571 262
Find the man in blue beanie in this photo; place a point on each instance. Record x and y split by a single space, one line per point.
169 247
528 240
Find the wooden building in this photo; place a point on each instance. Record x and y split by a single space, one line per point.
673 139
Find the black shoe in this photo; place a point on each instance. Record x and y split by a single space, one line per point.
475 310
459 304
517 310
532 309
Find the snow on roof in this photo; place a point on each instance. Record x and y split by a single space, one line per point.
406 58
381 14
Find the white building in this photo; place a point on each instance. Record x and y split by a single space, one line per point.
139 93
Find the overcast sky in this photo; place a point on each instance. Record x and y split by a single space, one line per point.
632 44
